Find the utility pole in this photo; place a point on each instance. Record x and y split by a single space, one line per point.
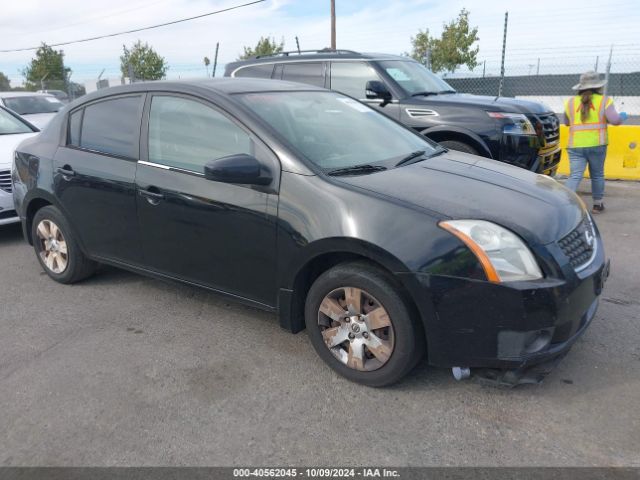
596 67
215 60
538 67
484 68
333 24
504 48
298 45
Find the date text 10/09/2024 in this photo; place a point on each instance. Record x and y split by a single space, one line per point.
316 472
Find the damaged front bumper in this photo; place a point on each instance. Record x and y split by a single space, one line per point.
509 334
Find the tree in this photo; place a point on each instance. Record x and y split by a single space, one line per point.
454 47
265 46
423 44
145 63
5 83
207 62
46 70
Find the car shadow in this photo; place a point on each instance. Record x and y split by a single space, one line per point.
10 234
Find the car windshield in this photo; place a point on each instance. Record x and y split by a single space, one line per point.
334 131
10 125
414 78
26 105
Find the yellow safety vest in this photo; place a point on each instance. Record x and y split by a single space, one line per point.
593 132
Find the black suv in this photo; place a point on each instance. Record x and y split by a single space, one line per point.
522 133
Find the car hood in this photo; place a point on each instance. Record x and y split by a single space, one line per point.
460 186
8 144
499 104
40 120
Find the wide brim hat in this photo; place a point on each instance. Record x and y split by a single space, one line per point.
590 80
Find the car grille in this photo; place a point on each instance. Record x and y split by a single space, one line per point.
550 128
579 245
5 180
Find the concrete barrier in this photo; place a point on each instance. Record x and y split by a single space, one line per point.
623 154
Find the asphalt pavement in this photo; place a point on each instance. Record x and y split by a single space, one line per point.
126 370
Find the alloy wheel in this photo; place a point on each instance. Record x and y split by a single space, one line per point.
356 328
53 247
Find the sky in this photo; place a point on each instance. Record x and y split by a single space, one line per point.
566 36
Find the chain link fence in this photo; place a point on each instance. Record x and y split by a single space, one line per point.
551 83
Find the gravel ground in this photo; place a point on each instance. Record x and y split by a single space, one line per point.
125 370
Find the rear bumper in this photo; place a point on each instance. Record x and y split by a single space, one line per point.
472 323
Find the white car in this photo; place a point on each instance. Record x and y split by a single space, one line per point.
13 130
36 108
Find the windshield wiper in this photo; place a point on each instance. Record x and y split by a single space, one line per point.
356 170
415 156
411 157
438 151
426 94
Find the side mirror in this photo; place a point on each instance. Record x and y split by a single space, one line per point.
240 168
375 89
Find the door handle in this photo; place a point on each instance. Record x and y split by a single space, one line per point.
153 196
66 172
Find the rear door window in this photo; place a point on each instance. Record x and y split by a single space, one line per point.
311 73
113 126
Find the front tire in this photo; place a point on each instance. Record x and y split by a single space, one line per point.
459 146
360 323
56 248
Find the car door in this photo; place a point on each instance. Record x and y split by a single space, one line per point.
211 233
94 176
351 79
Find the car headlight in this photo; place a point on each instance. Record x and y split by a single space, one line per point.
502 254
520 124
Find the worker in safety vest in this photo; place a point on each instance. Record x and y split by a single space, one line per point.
587 115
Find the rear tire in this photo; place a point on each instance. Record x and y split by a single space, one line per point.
361 324
459 146
56 248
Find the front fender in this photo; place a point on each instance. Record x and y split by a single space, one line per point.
339 246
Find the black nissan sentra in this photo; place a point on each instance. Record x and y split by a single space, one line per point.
307 203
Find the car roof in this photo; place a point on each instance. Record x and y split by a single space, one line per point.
285 57
221 86
24 94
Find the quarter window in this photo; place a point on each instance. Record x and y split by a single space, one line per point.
351 78
309 73
186 134
255 71
112 126
75 120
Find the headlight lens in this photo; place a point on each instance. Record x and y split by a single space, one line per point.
520 123
503 255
